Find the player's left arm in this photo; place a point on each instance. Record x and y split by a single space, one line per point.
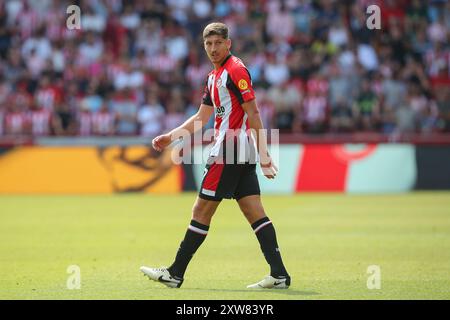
256 125
241 86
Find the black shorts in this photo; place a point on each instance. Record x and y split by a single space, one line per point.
221 180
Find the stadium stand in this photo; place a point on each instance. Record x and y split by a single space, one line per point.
137 67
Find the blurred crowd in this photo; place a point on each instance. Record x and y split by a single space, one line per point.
137 67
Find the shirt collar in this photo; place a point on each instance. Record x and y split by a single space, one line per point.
226 59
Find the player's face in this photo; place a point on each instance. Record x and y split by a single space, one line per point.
217 48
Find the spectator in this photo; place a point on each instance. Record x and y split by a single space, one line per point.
342 119
16 120
280 23
196 71
416 12
315 112
286 100
5 41
38 45
90 50
47 95
151 116
347 59
266 109
443 105
129 77
103 122
2 120
393 89
341 86
15 67
417 100
437 31
322 49
366 108
428 120
35 64
125 107
5 90
177 43
130 18
367 57
337 34
92 21
92 101
163 62
420 43
58 60
275 72
115 36
149 37
174 116
40 121
21 97
406 119
63 121
84 120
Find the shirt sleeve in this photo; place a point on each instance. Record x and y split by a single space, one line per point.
206 99
240 83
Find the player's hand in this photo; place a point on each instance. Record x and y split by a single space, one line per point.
269 169
161 142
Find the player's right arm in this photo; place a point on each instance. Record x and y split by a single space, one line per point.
194 123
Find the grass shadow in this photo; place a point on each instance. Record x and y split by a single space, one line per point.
289 292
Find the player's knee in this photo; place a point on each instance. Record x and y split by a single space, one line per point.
198 209
252 212
246 210
201 213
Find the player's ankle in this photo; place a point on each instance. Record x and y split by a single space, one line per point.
174 274
279 275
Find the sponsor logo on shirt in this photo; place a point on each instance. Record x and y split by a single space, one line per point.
220 111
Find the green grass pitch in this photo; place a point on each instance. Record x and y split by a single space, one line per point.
328 241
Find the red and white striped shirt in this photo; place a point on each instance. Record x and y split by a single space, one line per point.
317 85
47 97
315 109
1 122
55 24
103 123
84 123
28 21
40 122
16 122
227 88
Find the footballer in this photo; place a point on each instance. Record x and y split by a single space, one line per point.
230 171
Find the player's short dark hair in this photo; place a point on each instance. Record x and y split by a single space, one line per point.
216 28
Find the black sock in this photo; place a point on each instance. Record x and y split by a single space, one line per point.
195 235
265 232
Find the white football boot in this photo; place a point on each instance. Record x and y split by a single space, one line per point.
162 275
270 282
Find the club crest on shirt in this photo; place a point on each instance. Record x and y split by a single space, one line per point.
219 82
242 84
